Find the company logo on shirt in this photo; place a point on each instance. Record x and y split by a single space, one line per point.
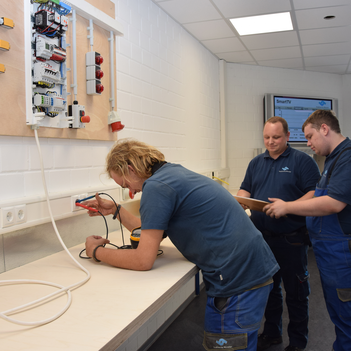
285 170
221 342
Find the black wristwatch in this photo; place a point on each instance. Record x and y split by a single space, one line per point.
117 212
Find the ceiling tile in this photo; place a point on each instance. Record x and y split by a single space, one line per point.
277 53
310 4
294 63
327 60
238 57
325 35
185 11
224 45
243 8
337 69
326 49
314 18
270 40
210 30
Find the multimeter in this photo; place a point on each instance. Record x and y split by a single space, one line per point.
135 237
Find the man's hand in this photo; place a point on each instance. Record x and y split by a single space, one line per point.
244 193
104 206
277 209
92 241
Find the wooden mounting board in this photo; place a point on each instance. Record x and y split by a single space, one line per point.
12 87
252 204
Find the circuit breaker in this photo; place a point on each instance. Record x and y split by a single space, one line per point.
49 25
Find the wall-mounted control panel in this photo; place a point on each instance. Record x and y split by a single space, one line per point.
49 24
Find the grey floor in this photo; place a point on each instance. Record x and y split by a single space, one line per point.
186 332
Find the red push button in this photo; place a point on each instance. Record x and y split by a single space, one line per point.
85 119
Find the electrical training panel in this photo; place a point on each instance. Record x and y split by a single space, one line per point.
49 25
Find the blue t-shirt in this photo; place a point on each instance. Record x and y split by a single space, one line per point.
209 227
339 187
290 176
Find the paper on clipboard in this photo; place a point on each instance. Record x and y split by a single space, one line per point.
253 204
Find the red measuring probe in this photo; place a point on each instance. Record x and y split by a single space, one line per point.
87 207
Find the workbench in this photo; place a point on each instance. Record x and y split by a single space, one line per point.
116 309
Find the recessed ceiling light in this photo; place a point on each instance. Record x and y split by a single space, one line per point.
276 22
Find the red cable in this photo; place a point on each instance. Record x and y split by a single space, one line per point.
88 208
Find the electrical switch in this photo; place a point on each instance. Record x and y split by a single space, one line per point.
77 115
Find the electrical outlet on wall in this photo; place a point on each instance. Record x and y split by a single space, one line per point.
7 216
74 198
20 213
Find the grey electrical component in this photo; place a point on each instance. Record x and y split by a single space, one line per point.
49 24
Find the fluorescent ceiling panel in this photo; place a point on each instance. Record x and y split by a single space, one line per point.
276 22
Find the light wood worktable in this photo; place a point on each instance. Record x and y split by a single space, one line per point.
104 312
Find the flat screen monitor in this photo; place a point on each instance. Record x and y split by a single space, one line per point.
295 110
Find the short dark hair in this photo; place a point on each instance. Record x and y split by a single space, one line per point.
276 119
319 117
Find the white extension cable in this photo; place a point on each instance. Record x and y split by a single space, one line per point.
62 289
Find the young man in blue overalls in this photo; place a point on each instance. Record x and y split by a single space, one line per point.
329 221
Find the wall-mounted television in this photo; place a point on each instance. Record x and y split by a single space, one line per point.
295 110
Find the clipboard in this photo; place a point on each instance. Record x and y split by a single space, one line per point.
253 204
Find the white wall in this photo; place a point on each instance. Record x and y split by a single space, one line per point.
168 88
346 105
246 86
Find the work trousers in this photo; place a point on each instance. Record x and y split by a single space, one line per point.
232 323
290 251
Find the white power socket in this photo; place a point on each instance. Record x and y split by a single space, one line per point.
20 214
74 198
7 216
13 215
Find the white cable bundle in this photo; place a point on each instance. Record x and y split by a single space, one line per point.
62 289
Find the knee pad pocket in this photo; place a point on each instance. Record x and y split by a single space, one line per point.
344 296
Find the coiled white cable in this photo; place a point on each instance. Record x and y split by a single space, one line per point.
62 289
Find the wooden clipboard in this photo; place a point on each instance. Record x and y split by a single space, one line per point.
253 204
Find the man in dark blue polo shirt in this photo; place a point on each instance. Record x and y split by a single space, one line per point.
329 219
289 174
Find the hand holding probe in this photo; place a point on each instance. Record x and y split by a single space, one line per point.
87 207
87 198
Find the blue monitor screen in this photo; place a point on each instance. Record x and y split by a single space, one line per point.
296 110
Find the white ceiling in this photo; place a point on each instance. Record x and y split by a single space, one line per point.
315 44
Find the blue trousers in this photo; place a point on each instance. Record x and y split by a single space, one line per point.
332 249
235 324
290 252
